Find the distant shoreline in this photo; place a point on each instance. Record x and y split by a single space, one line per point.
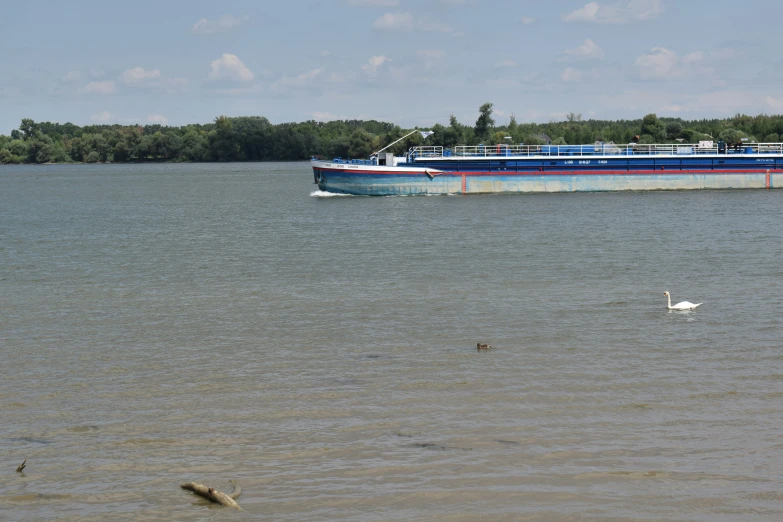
154 162
255 138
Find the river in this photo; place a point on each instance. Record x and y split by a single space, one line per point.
161 324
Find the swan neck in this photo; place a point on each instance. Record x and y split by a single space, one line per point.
669 298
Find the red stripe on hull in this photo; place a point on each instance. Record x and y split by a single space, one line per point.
455 173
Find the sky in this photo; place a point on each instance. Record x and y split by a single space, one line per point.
413 63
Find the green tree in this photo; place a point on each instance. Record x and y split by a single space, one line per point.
289 143
121 152
17 148
338 147
256 139
673 129
166 146
40 149
732 135
499 138
688 135
484 122
96 143
652 126
14 151
144 149
254 135
59 155
360 144
194 146
512 124
452 135
6 158
222 140
77 150
29 129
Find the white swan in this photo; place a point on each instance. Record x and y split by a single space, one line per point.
685 305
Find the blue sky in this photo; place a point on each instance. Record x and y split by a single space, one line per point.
409 62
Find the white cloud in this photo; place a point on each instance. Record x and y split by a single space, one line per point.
72 76
105 87
230 67
622 12
336 78
157 118
407 22
587 51
658 63
774 103
302 79
374 3
152 79
373 63
395 22
696 56
224 24
586 14
506 64
102 117
570 75
661 63
139 75
527 20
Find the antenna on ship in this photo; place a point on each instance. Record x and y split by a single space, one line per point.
424 135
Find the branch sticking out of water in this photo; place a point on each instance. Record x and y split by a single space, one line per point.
214 495
22 466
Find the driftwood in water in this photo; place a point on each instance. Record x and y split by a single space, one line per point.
214 495
21 466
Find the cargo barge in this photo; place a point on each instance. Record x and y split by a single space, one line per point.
504 168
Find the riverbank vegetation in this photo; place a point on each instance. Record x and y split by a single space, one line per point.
255 138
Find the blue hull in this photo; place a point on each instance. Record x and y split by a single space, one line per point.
389 184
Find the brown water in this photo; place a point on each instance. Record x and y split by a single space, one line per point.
172 323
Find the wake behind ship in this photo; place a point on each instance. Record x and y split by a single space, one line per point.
504 168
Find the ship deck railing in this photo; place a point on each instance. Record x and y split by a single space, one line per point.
598 149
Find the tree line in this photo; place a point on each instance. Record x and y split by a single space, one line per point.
254 138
